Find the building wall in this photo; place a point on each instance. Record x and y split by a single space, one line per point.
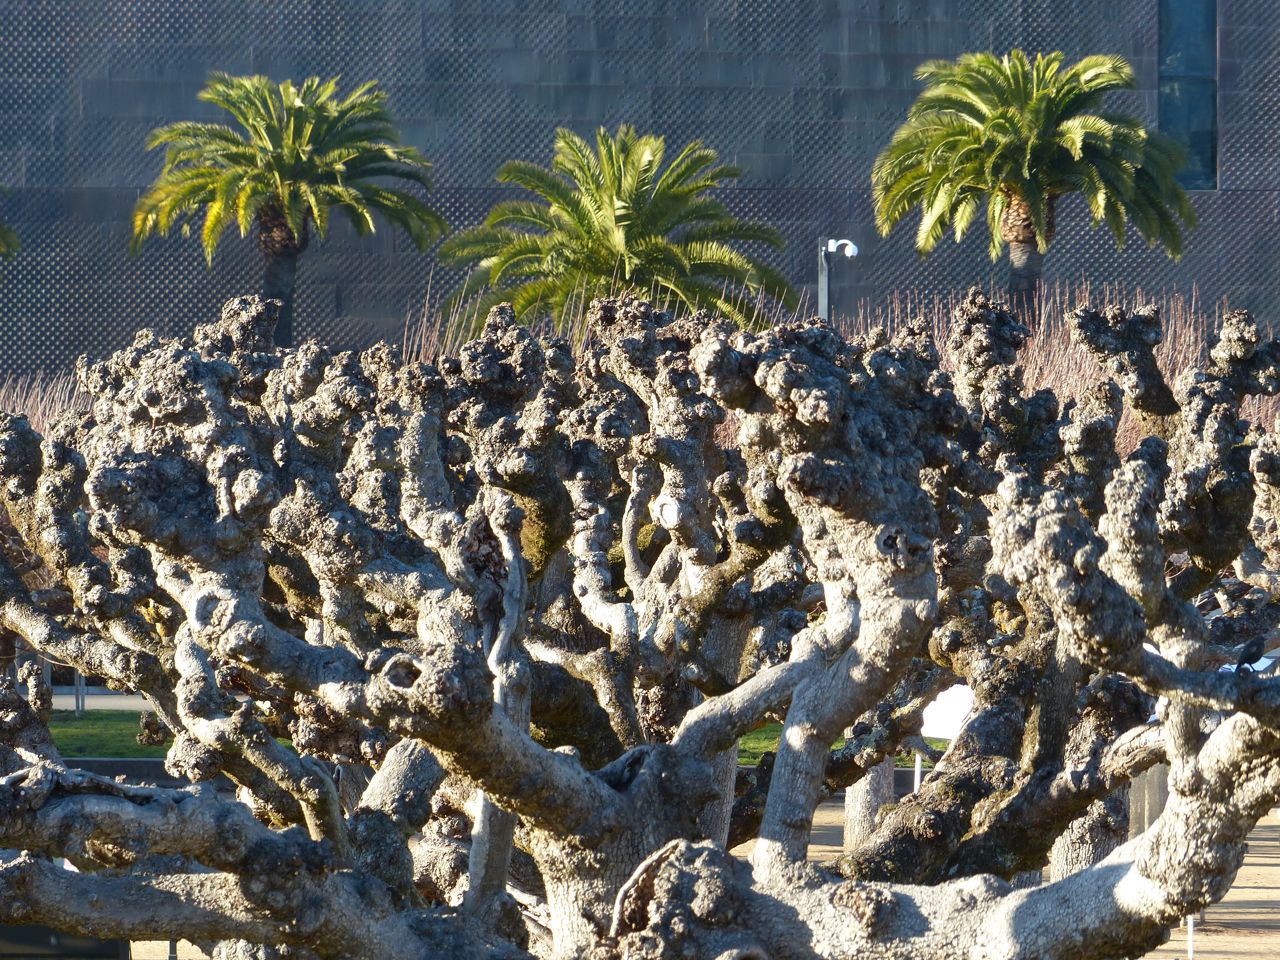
800 94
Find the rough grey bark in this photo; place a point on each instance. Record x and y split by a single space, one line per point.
862 803
1090 838
529 601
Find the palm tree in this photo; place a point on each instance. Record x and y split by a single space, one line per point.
300 153
1017 136
613 218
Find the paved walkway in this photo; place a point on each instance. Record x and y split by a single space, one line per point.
99 701
1245 924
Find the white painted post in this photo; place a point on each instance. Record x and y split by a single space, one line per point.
919 768
1191 938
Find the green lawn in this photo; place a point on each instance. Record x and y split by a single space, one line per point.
113 733
99 733
757 742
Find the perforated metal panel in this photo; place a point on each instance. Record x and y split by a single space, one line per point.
801 95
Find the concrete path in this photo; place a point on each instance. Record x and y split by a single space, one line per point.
1245 924
99 700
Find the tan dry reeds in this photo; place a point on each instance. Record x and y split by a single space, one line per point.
426 335
1049 360
41 396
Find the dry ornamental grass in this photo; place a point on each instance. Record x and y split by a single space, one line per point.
1050 360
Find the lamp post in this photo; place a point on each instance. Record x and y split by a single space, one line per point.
826 252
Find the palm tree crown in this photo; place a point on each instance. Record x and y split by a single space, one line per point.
1017 135
301 152
613 218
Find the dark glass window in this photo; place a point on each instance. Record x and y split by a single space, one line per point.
1188 74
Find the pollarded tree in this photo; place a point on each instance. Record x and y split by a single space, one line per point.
614 218
301 153
1015 136
527 603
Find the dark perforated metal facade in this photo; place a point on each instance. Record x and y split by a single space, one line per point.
800 94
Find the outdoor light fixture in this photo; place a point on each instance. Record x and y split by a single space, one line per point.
828 249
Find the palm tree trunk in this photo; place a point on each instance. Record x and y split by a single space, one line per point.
1017 229
280 249
1025 265
279 272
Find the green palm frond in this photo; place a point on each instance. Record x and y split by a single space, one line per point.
993 130
301 150
608 217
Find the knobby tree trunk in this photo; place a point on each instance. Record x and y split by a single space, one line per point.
862 803
402 621
493 828
713 821
1090 838
280 250
8 651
